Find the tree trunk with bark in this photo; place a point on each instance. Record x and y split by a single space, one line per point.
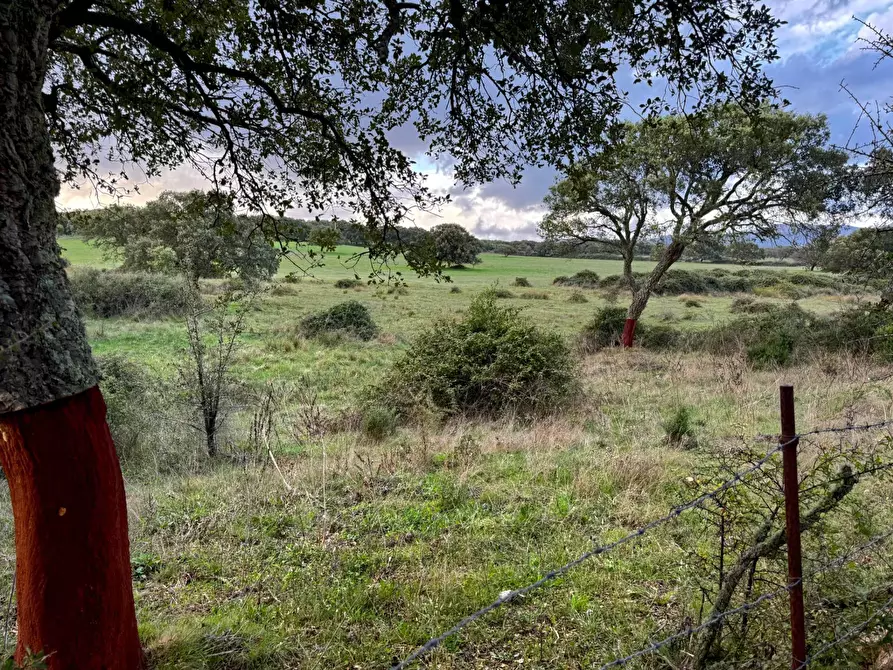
642 293
74 594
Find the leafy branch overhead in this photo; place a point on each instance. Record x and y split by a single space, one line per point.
296 104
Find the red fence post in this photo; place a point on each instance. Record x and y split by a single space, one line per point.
792 526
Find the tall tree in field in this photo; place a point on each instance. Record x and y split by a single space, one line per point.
688 179
280 104
454 246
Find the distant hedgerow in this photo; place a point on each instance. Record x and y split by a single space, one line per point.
106 294
492 361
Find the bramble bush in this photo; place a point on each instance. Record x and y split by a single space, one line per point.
583 279
491 362
350 318
107 294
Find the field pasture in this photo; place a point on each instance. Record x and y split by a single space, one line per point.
328 548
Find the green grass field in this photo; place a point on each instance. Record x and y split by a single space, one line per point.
350 552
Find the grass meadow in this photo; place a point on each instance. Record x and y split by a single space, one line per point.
348 551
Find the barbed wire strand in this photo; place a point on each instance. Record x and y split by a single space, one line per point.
554 574
855 630
509 596
691 630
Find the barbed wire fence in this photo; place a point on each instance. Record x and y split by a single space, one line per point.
787 443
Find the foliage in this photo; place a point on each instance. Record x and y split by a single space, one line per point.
582 279
194 233
454 246
206 376
817 242
577 297
867 255
109 294
604 329
347 283
501 293
379 422
127 389
521 282
348 318
492 361
455 289
782 284
723 173
535 295
747 305
293 109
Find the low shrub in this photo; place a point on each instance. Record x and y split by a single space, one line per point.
583 279
521 282
603 330
379 422
502 293
348 283
747 305
535 295
577 297
455 289
492 361
108 294
688 301
771 283
347 318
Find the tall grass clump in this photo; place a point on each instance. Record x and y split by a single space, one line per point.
141 295
491 362
350 318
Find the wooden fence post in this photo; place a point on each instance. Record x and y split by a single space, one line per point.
792 526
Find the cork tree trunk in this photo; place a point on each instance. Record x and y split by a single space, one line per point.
642 293
74 594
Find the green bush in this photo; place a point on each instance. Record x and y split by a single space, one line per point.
348 283
577 297
772 283
583 279
379 422
603 330
747 305
535 295
347 318
492 361
501 293
692 302
107 294
455 289
521 282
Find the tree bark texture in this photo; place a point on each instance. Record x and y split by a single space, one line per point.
73 578
74 593
44 353
671 254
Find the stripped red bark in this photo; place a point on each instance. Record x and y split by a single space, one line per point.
75 600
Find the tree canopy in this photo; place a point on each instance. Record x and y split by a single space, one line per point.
453 245
294 104
194 233
719 173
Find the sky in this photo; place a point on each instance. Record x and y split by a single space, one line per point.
819 51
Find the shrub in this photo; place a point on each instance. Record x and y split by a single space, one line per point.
577 297
126 387
379 422
492 361
108 294
604 330
501 293
747 305
455 289
691 302
347 318
583 279
347 283
535 295
521 282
